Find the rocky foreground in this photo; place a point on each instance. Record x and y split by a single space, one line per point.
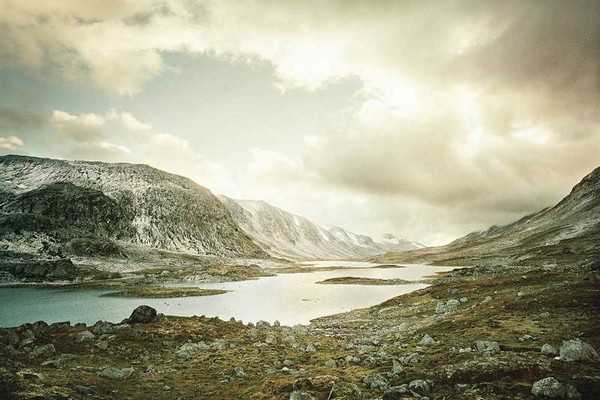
482 333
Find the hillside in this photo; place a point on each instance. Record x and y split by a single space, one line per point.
284 234
568 233
49 203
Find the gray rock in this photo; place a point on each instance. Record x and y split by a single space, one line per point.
85 336
448 307
116 373
420 386
411 358
189 350
395 393
549 349
262 324
143 315
299 395
310 349
553 389
578 350
427 340
487 347
103 327
376 381
45 350
330 364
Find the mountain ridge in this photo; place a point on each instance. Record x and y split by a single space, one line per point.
284 234
568 232
162 210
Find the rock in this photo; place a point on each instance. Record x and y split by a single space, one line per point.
411 358
103 327
85 336
116 373
189 350
59 361
262 324
549 349
310 349
578 350
330 364
102 345
376 381
271 339
487 347
427 340
45 350
59 325
448 307
395 393
525 338
239 372
463 299
298 395
143 315
553 389
420 386
276 324
486 300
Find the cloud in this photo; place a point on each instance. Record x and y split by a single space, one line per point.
10 142
11 118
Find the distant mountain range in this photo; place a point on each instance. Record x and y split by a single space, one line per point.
51 205
568 233
55 207
283 234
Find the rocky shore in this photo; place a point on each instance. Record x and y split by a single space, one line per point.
481 333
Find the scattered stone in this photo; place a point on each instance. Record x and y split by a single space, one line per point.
239 372
85 336
411 358
526 337
549 349
551 388
395 393
487 347
310 349
143 315
486 300
45 350
103 327
376 381
330 364
263 324
448 307
427 340
298 395
116 373
276 324
420 386
463 299
189 350
578 350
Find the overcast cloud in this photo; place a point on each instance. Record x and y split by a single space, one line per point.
456 114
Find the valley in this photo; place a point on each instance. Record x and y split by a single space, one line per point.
232 300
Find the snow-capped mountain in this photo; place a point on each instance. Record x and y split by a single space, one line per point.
131 203
283 234
568 233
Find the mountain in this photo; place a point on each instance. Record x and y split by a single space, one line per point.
283 234
47 203
568 233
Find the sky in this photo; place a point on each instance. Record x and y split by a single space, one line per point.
425 119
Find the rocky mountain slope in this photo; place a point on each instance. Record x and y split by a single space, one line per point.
568 233
47 204
283 234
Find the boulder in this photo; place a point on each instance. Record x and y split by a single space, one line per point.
396 393
427 340
45 350
116 373
85 336
549 350
487 347
551 388
189 350
578 350
143 315
448 307
376 381
420 386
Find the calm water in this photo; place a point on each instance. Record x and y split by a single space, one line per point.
289 298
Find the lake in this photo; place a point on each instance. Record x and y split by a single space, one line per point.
289 298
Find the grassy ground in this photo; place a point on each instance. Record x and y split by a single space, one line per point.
356 355
353 280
